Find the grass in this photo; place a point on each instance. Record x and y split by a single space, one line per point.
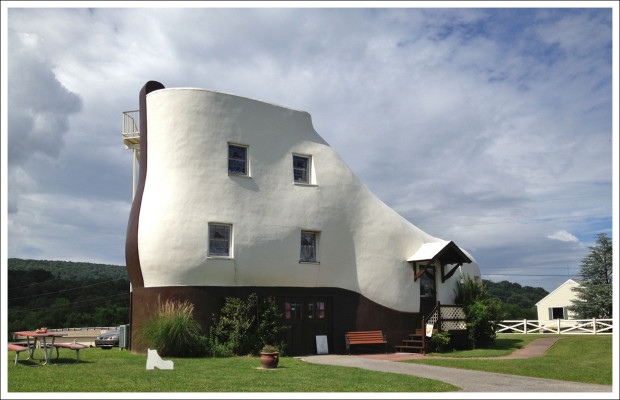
578 358
120 371
504 345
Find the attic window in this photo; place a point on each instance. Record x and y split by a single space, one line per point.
303 170
238 159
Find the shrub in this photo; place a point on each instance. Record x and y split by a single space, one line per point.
270 324
439 342
231 332
244 327
483 313
173 331
483 317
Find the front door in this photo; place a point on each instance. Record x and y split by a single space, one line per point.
306 318
428 293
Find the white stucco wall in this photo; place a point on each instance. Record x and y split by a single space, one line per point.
363 244
560 297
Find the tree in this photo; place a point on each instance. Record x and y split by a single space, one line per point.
483 314
594 294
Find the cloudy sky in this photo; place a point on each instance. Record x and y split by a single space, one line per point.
488 127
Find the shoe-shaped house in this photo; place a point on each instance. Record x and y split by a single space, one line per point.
237 196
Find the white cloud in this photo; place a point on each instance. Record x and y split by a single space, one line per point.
563 236
489 127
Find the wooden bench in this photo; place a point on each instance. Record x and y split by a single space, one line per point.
365 337
17 349
76 347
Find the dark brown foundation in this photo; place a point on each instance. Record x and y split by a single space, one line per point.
345 311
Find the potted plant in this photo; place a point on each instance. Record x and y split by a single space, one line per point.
269 356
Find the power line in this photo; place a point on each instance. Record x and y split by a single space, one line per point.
51 280
77 302
64 290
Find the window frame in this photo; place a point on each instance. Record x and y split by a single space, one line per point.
310 175
247 159
211 254
552 312
317 235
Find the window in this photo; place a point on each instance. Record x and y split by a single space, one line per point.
427 283
301 169
315 310
308 247
292 310
237 159
219 240
307 309
557 313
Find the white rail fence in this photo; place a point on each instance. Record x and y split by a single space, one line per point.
559 326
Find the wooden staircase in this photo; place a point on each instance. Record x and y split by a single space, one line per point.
443 318
415 343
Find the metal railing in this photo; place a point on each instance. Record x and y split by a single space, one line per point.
131 123
592 326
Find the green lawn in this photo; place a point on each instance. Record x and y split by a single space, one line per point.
585 358
120 371
578 358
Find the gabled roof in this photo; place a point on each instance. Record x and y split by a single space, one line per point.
570 281
445 251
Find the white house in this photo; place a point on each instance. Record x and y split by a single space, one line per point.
238 196
554 305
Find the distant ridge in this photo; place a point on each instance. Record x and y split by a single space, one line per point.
80 271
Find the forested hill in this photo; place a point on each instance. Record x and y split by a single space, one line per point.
513 293
80 271
60 294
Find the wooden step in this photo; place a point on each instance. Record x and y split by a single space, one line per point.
409 349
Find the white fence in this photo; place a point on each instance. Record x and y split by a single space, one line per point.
559 326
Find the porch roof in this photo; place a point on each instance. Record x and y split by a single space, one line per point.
445 251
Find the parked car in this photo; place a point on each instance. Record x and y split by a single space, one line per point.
107 340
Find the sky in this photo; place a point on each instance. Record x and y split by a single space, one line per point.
491 127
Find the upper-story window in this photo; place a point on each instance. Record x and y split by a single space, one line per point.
308 248
220 240
238 159
302 169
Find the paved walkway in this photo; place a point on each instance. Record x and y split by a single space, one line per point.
467 380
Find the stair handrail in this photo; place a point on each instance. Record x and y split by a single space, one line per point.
433 317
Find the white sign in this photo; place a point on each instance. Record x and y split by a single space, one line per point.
429 330
321 344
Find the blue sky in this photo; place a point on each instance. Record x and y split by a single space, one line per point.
491 127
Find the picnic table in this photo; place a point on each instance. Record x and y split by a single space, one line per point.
47 349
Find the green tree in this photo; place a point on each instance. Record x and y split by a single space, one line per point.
483 313
594 295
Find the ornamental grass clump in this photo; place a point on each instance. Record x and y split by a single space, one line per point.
173 331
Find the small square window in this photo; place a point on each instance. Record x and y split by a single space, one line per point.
557 313
301 169
308 248
237 159
219 240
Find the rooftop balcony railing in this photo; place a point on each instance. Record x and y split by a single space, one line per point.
131 128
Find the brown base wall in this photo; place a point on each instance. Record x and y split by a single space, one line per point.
346 311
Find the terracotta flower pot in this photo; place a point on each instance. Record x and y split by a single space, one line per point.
269 360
